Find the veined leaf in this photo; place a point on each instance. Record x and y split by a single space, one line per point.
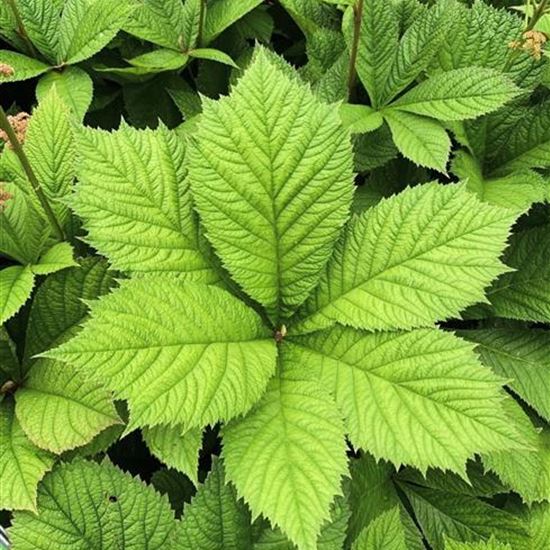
417 257
22 464
23 67
213 55
360 118
459 94
385 532
271 178
191 23
420 139
223 13
16 284
215 517
199 355
491 544
176 448
134 198
160 60
294 424
114 510
418 397
56 258
61 409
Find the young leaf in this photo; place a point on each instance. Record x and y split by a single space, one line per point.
294 424
360 118
23 67
213 55
56 258
215 368
223 13
74 87
16 284
459 94
176 448
271 178
86 505
386 532
418 397
135 201
160 60
22 464
417 257
60 409
215 516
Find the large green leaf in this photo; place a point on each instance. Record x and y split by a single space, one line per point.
271 176
22 464
287 457
23 67
89 506
223 13
178 352
420 256
16 284
134 198
418 397
385 532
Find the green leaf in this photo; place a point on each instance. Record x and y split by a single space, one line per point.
360 118
60 409
214 369
216 518
9 362
223 13
385 532
16 284
87 26
492 544
58 257
459 94
176 448
520 355
378 40
23 67
84 505
22 464
265 453
397 268
418 397
213 55
73 85
420 139
191 23
271 178
134 199
160 60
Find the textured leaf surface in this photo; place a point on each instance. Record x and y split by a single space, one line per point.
56 258
385 532
16 284
418 397
420 139
176 448
295 424
223 13
271 176
420 256
215 518
23 67
89 506
492 544
179 353
22 464
135 202
459 94
60 409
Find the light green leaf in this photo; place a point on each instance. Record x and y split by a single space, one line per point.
492 544
22 464
87 26
73 85
199 356
360 118
135 201
176 448
16 284
61 409
520 355
386 532
215 517
418 397
378 40
459 94
191 22
265 453
420 139
23 67
213 55
271 178
397 268
539 523
84 505
222 14
160 60
58 257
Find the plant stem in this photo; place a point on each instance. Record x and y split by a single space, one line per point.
357 17
202 13
18 150
21 28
